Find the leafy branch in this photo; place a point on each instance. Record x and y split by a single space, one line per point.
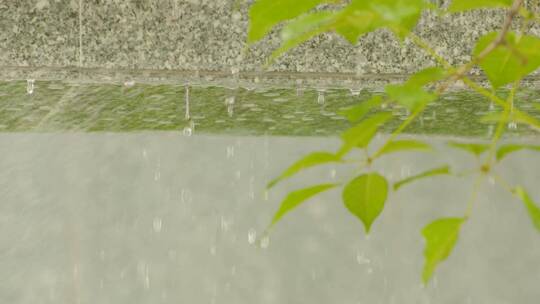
505 57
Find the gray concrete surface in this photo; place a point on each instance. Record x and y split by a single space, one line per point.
148 218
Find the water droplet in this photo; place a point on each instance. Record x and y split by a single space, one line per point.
265 242
252 236
230 151
213 250
369 270
361 259
129 83
265 195
30 86
157 175
491 180
144 154
491 106
157 224
320 97
512 125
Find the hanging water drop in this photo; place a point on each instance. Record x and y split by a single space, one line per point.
355 92
30 86
320 98
229 102
252 236
187 115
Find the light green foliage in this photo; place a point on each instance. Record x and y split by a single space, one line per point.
463 5
405 145
511 61
444 170
441 236
365 197
295 198
265 14
359 111
350 21
476 149
308 161
360 135
303 28
409 95
504 62
427 76
532 208
508 149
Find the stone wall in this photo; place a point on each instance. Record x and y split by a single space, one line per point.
204 35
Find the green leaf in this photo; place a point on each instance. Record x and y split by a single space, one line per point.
265 14
302 29
410 96
433 172
476 149
295 198
310 160
426 76
463 5
361 17
365 197
508 149
405 145
441 236
360 135
532 208
360 110
511 61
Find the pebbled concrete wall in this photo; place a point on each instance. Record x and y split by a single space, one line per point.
204 35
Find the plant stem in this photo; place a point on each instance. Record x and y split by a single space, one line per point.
398 131
474 196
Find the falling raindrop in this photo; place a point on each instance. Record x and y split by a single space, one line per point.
333 173
252 236
405 171
265 242
30 86
320 97
157 224
361 259
230 151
